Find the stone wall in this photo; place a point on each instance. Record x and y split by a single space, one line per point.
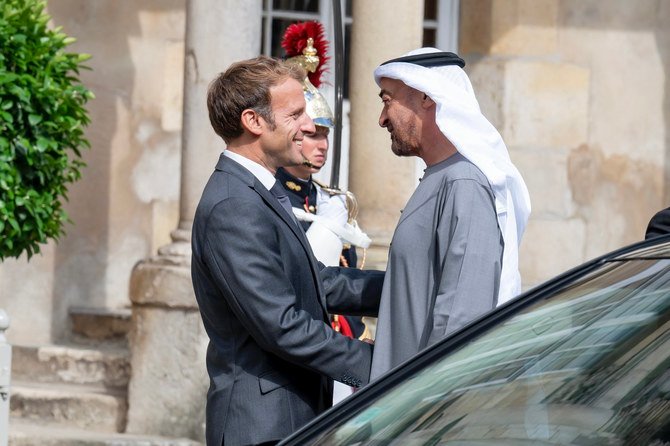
126 204
578 91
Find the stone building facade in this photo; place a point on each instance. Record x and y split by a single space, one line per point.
576 88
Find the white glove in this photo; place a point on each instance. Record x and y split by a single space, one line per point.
347 233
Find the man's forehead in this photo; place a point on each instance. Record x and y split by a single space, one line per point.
287 91
392 87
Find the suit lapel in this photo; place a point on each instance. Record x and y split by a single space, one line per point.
229 166
298 232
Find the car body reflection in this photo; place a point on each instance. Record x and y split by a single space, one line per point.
583 359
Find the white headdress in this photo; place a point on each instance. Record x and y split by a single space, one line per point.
459 118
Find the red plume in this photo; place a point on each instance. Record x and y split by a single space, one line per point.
295 40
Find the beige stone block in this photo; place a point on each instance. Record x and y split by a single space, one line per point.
25 294
545 171
608 15
168 21
533 103
488 80
159 281
68 407
168 387
157 165
57 364
627 106
615 194
158 92
546 104
509 27
157 52
550 247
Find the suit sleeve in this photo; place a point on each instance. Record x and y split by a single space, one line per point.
246 255
352 291
469 252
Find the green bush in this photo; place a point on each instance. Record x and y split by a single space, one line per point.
42 117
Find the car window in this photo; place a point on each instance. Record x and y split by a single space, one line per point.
589 365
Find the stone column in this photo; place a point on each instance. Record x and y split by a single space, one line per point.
381 181
168 385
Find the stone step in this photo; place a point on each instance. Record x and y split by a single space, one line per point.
69 405
108 367
25 433
100 324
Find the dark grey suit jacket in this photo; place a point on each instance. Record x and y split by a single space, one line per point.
262 295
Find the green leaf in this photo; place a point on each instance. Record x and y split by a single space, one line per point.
34 119
7 77
19 38
13 223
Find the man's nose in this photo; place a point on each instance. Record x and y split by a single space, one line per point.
383 119
307 124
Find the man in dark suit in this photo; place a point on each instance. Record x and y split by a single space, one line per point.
263 297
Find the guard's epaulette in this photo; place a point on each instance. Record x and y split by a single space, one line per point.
330 190
350 199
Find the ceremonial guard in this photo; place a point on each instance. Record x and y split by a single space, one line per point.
327 215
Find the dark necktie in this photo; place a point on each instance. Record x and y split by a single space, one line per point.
279 192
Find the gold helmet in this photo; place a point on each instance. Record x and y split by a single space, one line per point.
303 42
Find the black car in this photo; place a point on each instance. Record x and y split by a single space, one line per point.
583 359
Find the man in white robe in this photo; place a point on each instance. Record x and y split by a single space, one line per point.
454 253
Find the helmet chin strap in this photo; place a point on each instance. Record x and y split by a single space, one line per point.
308 163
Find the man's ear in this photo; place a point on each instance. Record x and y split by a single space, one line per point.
426 101
252 122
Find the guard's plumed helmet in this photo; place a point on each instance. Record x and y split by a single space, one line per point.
305 45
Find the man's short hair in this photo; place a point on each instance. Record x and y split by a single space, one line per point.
246 85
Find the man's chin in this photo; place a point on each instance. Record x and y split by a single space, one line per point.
296 161
294 157
402 150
